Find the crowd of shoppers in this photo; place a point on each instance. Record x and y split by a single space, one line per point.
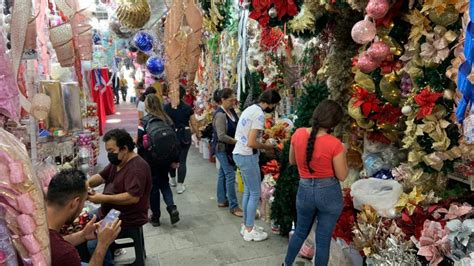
134 182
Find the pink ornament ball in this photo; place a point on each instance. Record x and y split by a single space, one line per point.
366 64
379 51
363 32
377 8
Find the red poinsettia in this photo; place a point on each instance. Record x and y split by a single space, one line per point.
260 11
426 100
367 101
389 114
283 8
345 223
271 39
378 136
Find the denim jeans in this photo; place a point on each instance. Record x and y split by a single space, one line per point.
250 170
226 181
160 184
320 201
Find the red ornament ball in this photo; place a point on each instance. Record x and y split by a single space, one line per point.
379 51
377 8
367 64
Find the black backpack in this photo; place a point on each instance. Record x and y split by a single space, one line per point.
163 145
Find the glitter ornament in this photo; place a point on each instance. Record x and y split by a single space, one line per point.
366 64
143 41
379 51
363 31
377 8
155 65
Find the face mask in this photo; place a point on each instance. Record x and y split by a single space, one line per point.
113 158
269 110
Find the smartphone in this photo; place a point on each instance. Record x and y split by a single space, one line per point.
110 218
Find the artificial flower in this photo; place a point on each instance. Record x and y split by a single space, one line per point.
389 114
436 160
439 6
367 101
455 211
397 251
410 201
436 49
421 25
460 231
426 101
303 21
433 243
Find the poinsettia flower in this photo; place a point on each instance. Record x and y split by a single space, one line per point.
388 114
367 101
426 100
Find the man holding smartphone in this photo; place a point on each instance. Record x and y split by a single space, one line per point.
127 189
65 199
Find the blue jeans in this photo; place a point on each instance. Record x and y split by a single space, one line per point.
250 170
317 200
226 181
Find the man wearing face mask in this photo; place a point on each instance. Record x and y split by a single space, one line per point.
127 183
65 199
246 156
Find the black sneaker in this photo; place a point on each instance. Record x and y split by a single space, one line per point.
174 216
155 221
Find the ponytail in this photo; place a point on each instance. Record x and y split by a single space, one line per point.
311 144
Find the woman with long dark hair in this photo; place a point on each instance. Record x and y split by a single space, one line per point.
159 169
321 162
223 142
182 116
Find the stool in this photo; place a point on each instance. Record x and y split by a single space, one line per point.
132 240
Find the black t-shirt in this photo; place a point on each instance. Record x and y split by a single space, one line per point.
181 115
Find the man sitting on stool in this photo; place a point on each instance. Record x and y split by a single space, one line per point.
127 188
65 199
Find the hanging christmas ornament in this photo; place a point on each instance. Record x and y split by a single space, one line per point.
141 58
406 110
143 41
377 8
119 30
363 31
366 63
155 65
272 12
379 51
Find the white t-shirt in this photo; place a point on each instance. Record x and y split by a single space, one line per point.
141 108
251 118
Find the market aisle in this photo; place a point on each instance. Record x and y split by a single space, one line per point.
206 235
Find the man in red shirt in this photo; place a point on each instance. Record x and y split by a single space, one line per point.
65 199
127 188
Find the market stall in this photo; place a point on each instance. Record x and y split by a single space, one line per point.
401 69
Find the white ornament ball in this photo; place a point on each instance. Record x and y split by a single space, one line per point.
272 12
406 110
448 94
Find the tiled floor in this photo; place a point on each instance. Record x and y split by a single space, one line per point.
206 235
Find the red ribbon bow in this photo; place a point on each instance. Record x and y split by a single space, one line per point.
273 168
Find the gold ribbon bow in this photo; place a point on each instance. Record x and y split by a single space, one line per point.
410 201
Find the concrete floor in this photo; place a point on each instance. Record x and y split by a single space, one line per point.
206 234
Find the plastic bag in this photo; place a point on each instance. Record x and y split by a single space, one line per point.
7 251
382 195
373 163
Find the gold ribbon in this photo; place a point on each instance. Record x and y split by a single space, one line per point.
436 159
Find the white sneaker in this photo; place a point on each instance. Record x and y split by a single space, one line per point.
255 235
242 229
173 181
181 188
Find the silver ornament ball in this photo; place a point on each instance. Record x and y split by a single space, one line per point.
272 12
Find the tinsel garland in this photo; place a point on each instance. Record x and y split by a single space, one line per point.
338 67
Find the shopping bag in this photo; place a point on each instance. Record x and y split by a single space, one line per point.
240 182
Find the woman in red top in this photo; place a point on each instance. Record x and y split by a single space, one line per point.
321 162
